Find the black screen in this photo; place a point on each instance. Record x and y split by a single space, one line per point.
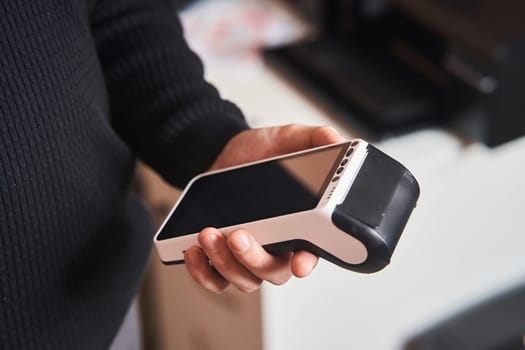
255 192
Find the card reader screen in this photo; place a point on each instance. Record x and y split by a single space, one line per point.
272 188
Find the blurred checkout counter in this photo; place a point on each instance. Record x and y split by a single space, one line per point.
438 85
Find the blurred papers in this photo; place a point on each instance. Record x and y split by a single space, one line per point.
233 32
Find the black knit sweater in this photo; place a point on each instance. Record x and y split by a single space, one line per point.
85 87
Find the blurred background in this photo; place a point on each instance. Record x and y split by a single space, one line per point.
437 84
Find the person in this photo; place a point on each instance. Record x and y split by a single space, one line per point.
87 87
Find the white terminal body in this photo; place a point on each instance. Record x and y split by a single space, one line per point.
351 241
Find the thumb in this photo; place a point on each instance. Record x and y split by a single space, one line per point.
325 135
296 137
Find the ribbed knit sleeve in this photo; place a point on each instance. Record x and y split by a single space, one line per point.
160 103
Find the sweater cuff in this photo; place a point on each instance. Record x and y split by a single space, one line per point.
183 153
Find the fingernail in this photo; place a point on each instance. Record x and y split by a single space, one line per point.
210 241
241 243
332 130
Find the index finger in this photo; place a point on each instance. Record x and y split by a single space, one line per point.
274 269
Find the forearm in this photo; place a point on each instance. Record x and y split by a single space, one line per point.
160 103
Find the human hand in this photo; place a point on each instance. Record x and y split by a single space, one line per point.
238 258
